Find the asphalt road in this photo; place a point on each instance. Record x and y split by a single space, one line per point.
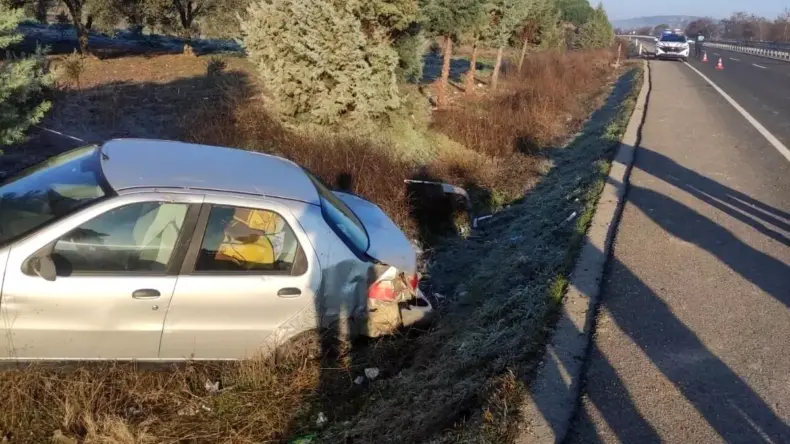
692 341
759 84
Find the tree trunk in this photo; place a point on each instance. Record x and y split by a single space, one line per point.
470 76
40 11
441 95
75 10
497 67
523 54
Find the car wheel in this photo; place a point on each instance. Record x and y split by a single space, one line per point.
310 344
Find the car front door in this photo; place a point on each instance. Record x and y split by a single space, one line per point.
116 267
250 272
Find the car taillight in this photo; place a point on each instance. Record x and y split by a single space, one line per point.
382 290
414 281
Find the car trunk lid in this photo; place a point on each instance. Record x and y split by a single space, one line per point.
387 243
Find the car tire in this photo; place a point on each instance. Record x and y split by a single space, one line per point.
309 344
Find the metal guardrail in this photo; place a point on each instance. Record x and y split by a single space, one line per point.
764 44
776 54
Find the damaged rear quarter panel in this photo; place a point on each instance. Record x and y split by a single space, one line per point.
342 300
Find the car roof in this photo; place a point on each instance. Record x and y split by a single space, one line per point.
143 163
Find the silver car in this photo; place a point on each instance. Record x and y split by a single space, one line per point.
154 250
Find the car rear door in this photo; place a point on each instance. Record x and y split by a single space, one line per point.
117 265
249 280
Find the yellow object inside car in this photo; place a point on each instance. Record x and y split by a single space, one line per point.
246 242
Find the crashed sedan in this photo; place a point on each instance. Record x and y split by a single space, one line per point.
154 250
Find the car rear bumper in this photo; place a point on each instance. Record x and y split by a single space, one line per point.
384 318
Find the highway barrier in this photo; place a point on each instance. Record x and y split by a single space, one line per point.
758 51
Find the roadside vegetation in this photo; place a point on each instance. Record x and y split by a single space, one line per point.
518 101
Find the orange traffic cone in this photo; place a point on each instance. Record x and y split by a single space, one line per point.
720 65
704 57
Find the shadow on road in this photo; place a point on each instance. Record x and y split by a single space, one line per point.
726 402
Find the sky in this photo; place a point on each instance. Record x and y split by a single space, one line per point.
626 9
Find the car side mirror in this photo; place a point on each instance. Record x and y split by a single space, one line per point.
44 267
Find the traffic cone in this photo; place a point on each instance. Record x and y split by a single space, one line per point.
720 65
705 57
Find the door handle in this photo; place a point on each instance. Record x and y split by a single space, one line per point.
146 294
289 292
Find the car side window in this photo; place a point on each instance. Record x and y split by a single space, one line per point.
139 237
248 240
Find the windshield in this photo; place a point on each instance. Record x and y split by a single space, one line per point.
340 217
673 38
48 191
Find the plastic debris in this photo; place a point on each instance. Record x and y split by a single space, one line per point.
571 217
477 220
439 296
321 420
359 380
372 373
212 387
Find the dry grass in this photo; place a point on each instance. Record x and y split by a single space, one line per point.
537 108
461 382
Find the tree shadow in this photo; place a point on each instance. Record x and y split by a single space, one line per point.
61 39
122 109
735 204
432 68
725 401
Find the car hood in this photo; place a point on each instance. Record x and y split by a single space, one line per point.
388 244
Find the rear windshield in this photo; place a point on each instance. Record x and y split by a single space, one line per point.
673 38
340 217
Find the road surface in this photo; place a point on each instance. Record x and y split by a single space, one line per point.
692 341
759 84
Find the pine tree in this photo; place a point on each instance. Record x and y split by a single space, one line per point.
319 62
597 32
448 19
539 28
506 16
577 12
478 28
22 80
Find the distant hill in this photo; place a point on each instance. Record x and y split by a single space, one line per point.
674 21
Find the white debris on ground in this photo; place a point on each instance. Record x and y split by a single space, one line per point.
359 380
372 373
212 387
321 420
477 220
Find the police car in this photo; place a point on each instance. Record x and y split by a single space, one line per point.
672 46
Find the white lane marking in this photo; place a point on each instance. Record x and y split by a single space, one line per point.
716 54
735 60
759 66
757 125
